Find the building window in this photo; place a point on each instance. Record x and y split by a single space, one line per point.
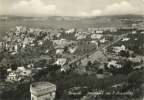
50 94
32 98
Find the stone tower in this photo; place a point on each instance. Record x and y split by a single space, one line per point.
42 91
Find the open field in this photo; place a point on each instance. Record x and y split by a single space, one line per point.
81 24
99 57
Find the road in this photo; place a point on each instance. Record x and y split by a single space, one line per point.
84 58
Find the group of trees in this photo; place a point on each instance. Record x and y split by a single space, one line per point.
3 72
50 70
66 81
136 78
135 43
124 53
94 67
70 80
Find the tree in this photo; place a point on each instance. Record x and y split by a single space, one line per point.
1 57
14 66
136 78
3 72
124 53
65 49
95 62
100 71
89 63
127 68
43 78
87 55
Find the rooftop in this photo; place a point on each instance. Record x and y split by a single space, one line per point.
40 88
42 85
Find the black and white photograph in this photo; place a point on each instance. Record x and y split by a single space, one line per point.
71 49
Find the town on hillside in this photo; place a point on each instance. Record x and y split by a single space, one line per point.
92 63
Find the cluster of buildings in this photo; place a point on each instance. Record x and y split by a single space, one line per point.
117 49
102 29
18 74
21 36
18 38
3 18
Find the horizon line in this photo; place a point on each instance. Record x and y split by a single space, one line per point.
69 15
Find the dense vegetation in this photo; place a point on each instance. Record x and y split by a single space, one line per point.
135 43
69 79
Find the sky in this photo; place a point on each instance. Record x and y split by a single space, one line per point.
71 7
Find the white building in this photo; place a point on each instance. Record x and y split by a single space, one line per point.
103 40
18 28
47 38
24 29
59 51
99 31
134 32
23 45
81 37
114 63
17 33
12 77
125 39
9 70
70 31
137 59
32 45
96 36
142 32
30 65
1 43
95 42
62 69
47 51
21 69
40 42
58 34
55 42
117 49
13 53
61 41
31 30
72 49
61 61
16 47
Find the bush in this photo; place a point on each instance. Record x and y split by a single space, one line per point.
100 71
